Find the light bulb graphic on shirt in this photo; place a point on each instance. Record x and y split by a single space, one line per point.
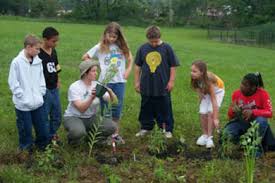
114 60
153 59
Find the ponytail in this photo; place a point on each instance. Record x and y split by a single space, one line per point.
260 80
255 79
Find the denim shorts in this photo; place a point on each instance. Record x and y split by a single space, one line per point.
119 90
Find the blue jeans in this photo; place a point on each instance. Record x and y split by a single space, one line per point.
237 128
53 109
24 122
119 90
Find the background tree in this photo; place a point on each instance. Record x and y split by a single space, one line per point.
222 13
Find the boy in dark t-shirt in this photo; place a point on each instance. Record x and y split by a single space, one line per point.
155 68
51 69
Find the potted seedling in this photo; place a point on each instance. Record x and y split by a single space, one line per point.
101 87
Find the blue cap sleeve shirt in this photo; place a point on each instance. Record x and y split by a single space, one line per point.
155 63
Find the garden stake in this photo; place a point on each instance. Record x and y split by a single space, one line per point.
113 145
135 157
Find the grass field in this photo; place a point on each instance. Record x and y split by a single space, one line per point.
228 61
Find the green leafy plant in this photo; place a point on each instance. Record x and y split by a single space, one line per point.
161 175
251 141
210 172
238 111
157 142
181 146
108 171
110 73
113 178
101 87
227 146
221 171
135 151
94 133
50 158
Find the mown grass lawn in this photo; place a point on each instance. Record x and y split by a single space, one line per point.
228 61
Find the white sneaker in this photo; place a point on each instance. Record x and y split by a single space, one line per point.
210 143
141 133
168 135
202 140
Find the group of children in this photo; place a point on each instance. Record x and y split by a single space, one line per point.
33 80
34 83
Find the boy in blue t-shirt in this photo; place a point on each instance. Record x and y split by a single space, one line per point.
51 68
155 68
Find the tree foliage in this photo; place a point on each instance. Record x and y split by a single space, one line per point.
225 13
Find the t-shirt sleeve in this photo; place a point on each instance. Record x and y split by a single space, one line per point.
173 60
93 52
138 58
74 93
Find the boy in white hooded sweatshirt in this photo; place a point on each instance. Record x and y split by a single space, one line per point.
27 84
